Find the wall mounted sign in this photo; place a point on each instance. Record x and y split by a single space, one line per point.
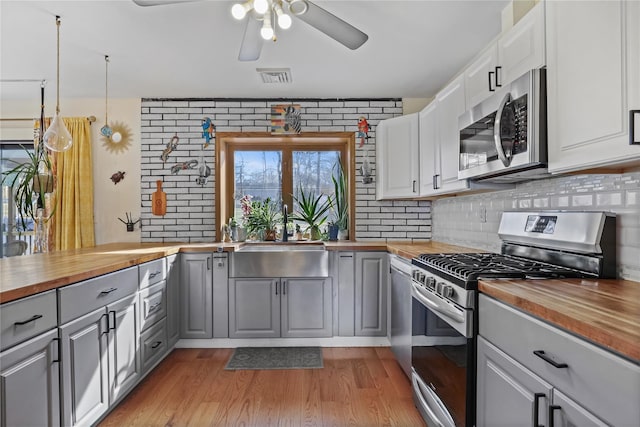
286 119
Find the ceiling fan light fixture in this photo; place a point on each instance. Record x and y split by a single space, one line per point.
298 7
261 6
239 10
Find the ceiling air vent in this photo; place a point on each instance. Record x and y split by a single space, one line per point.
275 75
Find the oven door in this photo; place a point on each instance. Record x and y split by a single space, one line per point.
442 360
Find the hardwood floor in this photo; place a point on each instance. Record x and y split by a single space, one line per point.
361 386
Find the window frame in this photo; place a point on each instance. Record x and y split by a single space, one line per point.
229 142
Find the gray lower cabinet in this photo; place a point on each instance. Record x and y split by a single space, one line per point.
527 367
280 307
371 280
29 379
173 300
85 370
124 359
196 300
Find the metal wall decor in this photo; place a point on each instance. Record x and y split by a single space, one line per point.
208 128
130 223
171 145
123 144
286 119
189 164
117 177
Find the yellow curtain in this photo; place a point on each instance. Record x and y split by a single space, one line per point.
72 222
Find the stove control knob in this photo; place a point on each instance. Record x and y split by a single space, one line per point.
447 291
430 282
439 287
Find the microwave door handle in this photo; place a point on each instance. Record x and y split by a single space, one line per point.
497 134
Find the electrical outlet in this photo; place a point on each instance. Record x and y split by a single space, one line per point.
482 214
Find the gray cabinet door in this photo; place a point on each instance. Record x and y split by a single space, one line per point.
346 294
306 308
84 370
196 317
371 293
220 295
173 300
30 383
124 357
254 308
508 393
567 413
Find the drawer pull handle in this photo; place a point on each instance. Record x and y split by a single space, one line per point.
552 409
156 344
536 409
108 291
543 356
32 319
154 307
152 275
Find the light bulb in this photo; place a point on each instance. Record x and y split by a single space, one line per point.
261 6
116 137
239 10
57 137
284 21
266 31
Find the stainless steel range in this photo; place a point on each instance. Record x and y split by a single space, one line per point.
535 245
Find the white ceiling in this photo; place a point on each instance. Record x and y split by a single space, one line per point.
190 49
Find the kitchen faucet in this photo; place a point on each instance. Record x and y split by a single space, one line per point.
285 234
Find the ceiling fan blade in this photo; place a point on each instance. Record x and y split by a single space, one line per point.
251 42
160 2
333 26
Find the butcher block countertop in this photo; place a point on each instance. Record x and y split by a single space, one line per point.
604 311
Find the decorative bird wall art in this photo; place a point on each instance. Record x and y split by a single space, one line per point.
363 130
208 128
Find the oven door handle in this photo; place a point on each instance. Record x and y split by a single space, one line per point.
424 403
422 391
497 133
436 305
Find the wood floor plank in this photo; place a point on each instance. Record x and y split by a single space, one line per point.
357 387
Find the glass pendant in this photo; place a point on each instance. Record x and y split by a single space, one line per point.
57 136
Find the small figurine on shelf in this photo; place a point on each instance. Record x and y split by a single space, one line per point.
363 130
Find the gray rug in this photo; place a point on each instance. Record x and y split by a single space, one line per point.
275 358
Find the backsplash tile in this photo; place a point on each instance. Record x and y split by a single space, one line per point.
454 219
191 208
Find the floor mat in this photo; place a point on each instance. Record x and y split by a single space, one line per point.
275 358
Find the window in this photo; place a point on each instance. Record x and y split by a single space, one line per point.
277 167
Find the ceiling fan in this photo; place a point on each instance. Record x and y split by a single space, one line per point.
263 12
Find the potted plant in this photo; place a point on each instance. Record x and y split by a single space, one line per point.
262 218
340 203
30 182
312 210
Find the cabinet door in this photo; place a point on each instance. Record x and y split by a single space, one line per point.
522 48
371 279
254 308
196 296
508 393
173 299
29 378
346 294
84 370
220 296
429 149
397 160
478 83
306 309
124 357
450 106
593 66
568 413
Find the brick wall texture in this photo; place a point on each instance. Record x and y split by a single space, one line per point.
191 208
457 220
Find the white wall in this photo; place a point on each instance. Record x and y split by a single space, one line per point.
110 201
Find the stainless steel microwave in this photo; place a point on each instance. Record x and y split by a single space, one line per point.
504 138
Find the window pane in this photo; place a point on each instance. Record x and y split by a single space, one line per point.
312 170
258 174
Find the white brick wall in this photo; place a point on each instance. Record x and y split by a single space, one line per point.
190 208
457 220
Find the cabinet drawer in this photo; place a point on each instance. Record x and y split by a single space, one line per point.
152 272
26 318
594 378
153 304
153 343
84 297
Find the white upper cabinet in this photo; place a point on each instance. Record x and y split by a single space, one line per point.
397 157
518 50
593 81
429 148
